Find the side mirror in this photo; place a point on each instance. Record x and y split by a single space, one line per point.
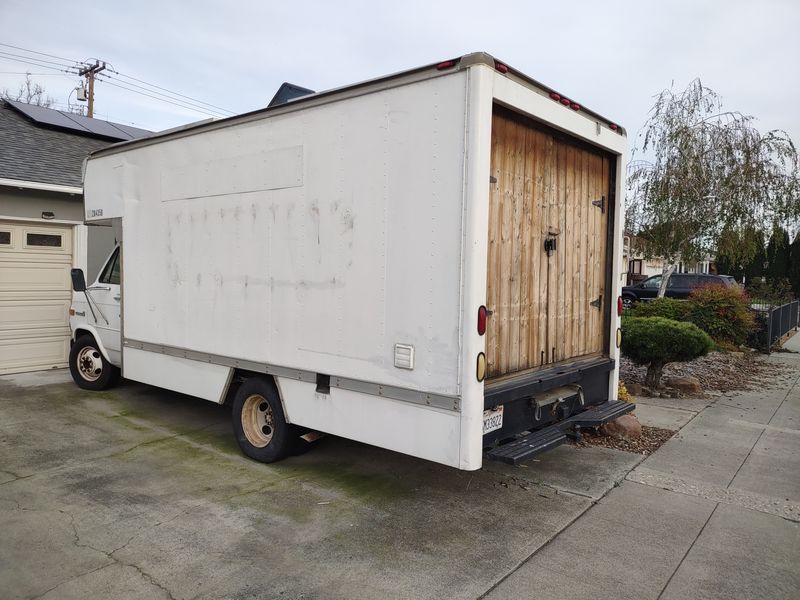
78 280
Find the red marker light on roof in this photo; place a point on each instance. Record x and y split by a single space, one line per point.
482 314
612 126
448 64
555 96
575 106
501 67
565 101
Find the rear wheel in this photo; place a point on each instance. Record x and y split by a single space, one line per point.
89 368
259 423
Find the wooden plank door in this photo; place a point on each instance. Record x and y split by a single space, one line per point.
545 189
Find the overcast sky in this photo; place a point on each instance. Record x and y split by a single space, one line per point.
612 56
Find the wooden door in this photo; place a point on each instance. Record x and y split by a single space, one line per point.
547 261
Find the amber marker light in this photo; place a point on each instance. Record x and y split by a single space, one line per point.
480 370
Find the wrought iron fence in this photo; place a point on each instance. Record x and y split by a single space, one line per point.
776 321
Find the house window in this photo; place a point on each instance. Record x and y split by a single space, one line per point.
49 240
5 238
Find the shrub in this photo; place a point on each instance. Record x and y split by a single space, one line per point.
722 312
669 308
656 341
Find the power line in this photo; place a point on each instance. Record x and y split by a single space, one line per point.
193 105
68 67
35 64
37 52
41 60
31 73
207 113
171 92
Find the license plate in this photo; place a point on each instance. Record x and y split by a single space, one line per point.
492 419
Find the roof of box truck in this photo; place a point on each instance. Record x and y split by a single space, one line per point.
442 67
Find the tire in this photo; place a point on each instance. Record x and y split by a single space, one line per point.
89 368
259 424
628 302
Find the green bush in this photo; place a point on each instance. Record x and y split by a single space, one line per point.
656 341
723 313
669 308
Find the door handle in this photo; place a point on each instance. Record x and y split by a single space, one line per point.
116 297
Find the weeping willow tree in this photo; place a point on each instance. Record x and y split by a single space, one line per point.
704 179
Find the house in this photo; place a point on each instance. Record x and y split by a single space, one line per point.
42 234
636 267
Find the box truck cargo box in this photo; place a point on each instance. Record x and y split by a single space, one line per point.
426 262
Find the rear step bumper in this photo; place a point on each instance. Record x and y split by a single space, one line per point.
545 439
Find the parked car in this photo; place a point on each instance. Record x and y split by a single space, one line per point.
680 286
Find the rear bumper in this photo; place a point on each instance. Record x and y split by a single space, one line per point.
528 446
529 384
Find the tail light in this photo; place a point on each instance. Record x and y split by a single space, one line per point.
619 306
482 314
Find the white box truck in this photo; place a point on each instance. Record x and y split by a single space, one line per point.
427 262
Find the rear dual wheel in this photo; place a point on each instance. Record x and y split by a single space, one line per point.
259 423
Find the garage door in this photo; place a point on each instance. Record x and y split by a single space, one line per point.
35 294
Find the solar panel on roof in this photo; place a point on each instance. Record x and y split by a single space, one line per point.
134 132
44 116
79 123
98 127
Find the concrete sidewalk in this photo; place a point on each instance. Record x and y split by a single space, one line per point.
714 513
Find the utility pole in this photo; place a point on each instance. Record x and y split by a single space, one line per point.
89 72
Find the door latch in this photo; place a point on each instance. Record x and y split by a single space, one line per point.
597 303
550 246
601 204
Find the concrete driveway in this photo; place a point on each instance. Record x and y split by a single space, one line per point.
141 493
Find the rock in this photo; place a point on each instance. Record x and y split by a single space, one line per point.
685 384
627 427
634 389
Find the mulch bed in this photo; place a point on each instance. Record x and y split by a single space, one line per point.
718 371
652 438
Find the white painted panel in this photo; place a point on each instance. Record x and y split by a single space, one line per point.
255 172
34 298
542 108
28 353
27 313
191 377
408 428
327 276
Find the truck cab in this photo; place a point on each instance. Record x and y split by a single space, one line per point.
95 355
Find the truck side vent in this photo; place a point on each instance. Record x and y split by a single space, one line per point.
404 356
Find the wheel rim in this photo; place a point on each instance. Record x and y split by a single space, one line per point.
627 303
258 422
90 363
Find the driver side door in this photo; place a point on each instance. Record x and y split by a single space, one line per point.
106 295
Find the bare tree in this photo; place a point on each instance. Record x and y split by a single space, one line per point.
31 92
702 171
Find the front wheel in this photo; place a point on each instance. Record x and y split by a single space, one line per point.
89 368
259 423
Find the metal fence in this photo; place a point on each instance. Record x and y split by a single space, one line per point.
780 320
